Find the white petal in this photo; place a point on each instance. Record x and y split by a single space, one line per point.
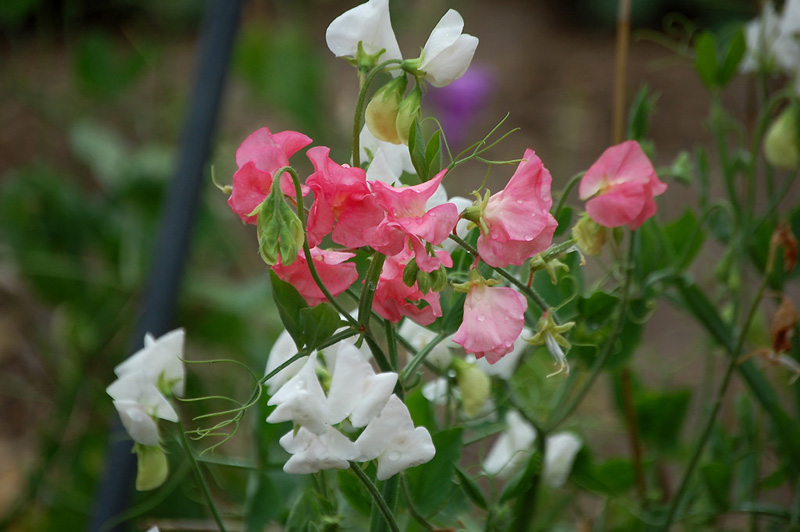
408 450
138 388
443 36
380 169
282 350
302 400
393 421
512 449
451 63
140 426
461 227
159 359
369 23
330 450
559 457
356 391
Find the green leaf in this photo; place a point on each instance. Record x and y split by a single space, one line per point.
564 220
639 114
258 514
416 148
318 324
705 61
734 54
718 478
597 309
354 492
522 479
433 155
660 416
290 304
685 237
613 477
471 489
431 484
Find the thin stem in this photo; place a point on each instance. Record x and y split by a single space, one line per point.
388 329
411 509
380 503
370 286
200 480
359 112
608 347
412 366
633 431
732 363
525 505
620 68
533 296
574 180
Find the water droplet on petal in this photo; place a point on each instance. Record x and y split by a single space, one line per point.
528 236
519 201
481 318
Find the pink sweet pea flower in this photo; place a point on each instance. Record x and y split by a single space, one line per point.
408 221
516 223
258 158
493 320
394 299
336 274
621 185
341 196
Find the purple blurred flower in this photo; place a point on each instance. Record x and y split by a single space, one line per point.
460 102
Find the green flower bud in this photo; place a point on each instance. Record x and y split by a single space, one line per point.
424 282
410 273
590 236
280 231
381 114
475 387
153 467
438 279
781 143
408 112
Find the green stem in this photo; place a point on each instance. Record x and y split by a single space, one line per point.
200 480
608 347
732 363
412 366
533 296
525 505
380 502
370 286
388 329
570 185
359 112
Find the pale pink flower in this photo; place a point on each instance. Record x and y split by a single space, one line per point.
394 299
516 223
258 158
408 220
336 274
341 196
621 185
493 320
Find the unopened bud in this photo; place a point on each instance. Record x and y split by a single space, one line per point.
590 236
424 282
438 279
410 273
408 112
475 387
152 467
782 143
280 231
381 114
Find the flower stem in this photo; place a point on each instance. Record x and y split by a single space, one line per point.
412 366
380 502
200 480
620 68
712 417
359 113
570 185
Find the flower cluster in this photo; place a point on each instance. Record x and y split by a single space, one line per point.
145 382
773 41
360 396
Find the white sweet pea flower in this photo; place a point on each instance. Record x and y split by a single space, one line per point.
137 422
387 161
369 24
560 452
512 449
302 400
448 52
138 388
394 441
282 350
312 453
760 35
436 391
419 337
773 41
356 391
159 360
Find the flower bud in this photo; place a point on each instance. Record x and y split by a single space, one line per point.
408 112
438 279
280 231
381 114
152 467
410 273
475 387
590 236
781 142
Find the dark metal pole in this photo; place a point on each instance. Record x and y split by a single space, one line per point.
177 219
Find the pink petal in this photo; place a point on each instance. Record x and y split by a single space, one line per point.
621 205
250 188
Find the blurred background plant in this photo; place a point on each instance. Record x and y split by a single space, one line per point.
92 99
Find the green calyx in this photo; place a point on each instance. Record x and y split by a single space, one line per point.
547 326
475 279
551 265
280 231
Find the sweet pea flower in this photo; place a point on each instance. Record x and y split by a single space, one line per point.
394 299
368 24
159 361
258 158
335 273
282 350
512 449
356 392
516 223
773 41
493 319
620 187
302 401
394 441
341 196
419 337
408 220
387 161
560 452
448 52
311 453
